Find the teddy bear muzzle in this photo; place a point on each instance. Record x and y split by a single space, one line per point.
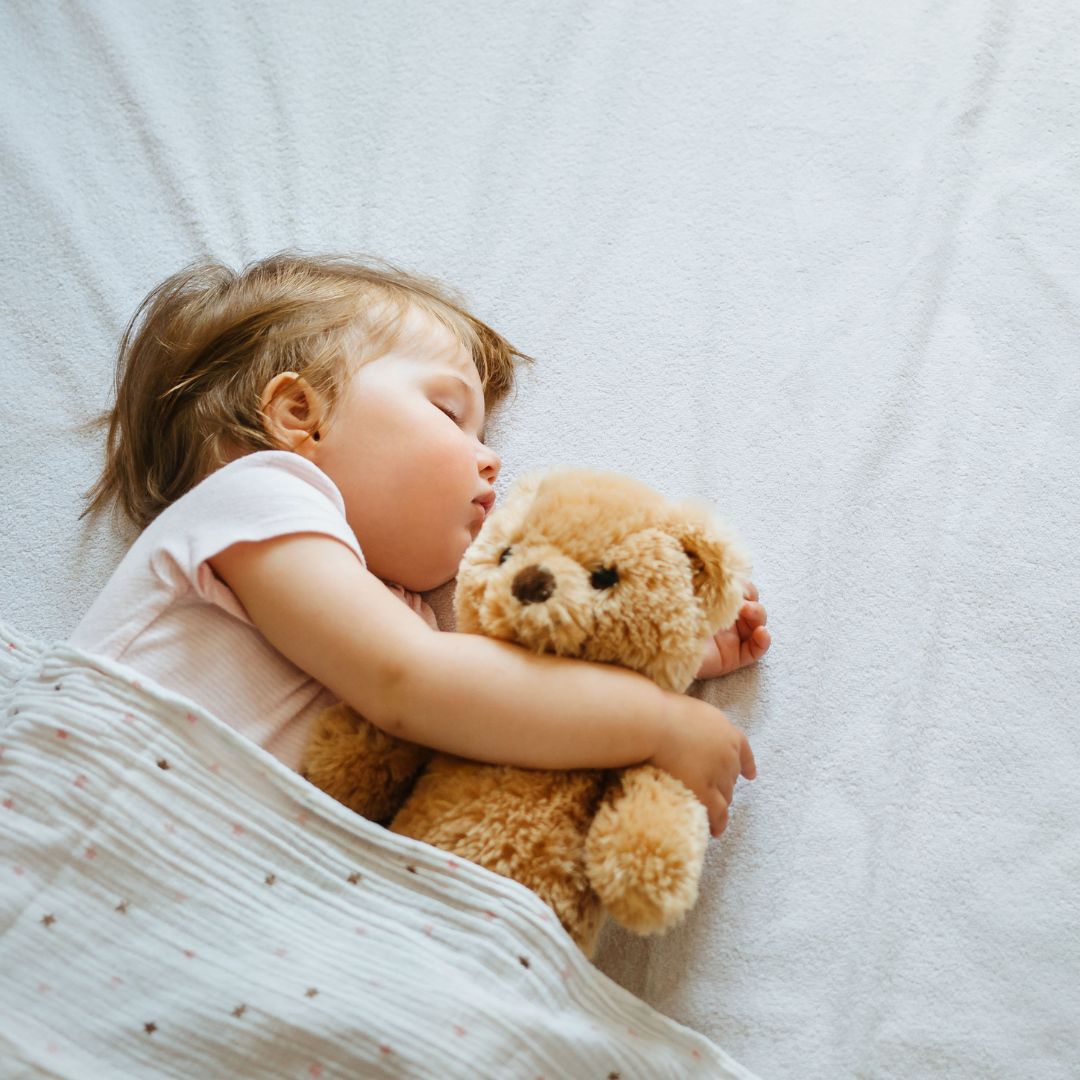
533 584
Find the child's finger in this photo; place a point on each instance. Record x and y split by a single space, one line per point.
754 613
755 646
748 767
750 618
718 820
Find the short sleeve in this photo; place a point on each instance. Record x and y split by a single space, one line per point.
257 497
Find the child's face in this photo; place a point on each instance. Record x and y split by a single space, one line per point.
407 470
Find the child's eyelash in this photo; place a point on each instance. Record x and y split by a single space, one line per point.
457 420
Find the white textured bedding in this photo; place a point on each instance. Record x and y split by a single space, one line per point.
815 261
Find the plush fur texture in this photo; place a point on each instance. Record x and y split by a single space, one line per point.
593 565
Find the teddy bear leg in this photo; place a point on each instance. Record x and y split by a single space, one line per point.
645 850
359 765
526 824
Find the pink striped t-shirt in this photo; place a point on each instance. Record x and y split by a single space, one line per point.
168 616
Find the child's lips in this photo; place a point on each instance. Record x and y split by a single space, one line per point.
485 502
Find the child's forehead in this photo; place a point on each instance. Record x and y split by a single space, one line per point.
424 337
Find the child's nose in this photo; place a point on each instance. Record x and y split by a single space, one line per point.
490 464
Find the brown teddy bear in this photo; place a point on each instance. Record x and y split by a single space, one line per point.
584 564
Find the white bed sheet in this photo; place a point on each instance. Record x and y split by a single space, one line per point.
817 262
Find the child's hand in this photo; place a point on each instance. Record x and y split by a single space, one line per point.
744 642
704 750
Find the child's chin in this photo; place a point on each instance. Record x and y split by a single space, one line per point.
444 577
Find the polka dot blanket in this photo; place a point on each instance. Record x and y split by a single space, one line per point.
177 903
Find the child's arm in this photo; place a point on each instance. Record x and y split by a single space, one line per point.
742 643
468 694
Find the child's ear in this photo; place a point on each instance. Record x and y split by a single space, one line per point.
290 409
718 561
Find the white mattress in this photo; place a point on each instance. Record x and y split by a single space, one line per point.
817 262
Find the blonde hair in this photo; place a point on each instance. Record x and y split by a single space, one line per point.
197 354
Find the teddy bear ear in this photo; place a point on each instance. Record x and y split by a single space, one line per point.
521 494
527 487
718 560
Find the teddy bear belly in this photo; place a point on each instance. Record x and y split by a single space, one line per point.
529 825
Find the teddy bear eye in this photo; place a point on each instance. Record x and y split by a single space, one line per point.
605 577
505 555
696 564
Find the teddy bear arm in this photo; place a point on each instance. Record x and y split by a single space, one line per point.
359 765
645 849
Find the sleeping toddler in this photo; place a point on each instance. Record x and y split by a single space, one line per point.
297 437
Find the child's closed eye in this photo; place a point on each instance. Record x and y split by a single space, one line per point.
457 420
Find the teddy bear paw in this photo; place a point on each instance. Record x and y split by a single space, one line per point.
645 850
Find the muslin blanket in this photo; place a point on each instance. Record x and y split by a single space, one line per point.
177 903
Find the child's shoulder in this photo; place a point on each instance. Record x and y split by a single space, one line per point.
269 462
262 474
254 497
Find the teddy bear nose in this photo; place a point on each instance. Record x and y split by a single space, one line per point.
533 584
